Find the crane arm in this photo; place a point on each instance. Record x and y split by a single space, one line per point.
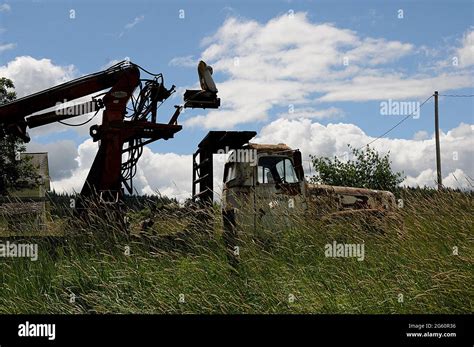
13 114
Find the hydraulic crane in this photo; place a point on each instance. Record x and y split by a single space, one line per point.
120 134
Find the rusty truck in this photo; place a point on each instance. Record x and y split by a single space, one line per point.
265 188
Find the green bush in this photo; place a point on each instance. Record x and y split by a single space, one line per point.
368 169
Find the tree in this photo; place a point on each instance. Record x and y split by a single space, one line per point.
367 170
16 171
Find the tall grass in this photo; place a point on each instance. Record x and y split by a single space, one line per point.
90 271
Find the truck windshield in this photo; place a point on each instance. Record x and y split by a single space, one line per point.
276 170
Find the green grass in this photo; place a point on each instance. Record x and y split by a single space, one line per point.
420 265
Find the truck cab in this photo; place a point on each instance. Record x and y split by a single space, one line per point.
267 192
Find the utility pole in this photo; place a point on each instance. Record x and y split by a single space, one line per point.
438 154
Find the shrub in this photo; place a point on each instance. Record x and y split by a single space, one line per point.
368 169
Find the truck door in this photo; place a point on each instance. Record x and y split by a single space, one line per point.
279 195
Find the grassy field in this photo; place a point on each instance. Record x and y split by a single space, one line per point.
429 269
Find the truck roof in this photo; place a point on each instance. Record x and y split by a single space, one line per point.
281 147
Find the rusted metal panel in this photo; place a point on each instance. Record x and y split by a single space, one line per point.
327 198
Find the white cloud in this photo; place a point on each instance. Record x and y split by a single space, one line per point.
165 173
170 174
370 51
466 51
73 183
7 47
415 157
458 179
5 8
132 24
291 60
135 21
186 61
114 62
309 112
421 135
31 75
61 157
240 104
393 86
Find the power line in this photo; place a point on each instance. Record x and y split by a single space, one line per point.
400 122
395 126
457 95
411 114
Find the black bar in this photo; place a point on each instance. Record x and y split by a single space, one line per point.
301 330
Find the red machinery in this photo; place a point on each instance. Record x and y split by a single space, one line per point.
108 172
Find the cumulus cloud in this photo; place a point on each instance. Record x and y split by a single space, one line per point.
421 135
158 173
416 158
61 157
466 51
170 174
291 60
84 157
31 75
459 179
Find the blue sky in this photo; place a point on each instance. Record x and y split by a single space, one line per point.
152 34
